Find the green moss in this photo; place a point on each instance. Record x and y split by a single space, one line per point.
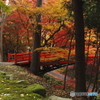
36 88
16 90
11 98
32 96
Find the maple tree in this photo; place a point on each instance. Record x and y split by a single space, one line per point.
16 33
55 23
52 20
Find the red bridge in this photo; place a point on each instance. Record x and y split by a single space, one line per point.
48 60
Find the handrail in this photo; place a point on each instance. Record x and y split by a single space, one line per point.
46 57
16 57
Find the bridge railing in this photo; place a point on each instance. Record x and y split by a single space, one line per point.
18 57
45 57
11 57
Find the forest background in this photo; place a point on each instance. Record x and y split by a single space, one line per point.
29 24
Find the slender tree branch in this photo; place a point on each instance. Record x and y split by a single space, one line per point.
63 25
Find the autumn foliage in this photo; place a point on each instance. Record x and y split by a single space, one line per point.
57 26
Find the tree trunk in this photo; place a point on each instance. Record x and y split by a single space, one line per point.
1 41
2 20
35 63
80 47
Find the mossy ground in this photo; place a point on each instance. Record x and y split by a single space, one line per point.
21 73
15 90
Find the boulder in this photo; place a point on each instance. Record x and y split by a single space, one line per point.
58 98
36 88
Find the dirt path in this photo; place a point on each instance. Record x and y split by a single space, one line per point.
6 63
57 75
69 81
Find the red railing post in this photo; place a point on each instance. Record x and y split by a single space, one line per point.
8 57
